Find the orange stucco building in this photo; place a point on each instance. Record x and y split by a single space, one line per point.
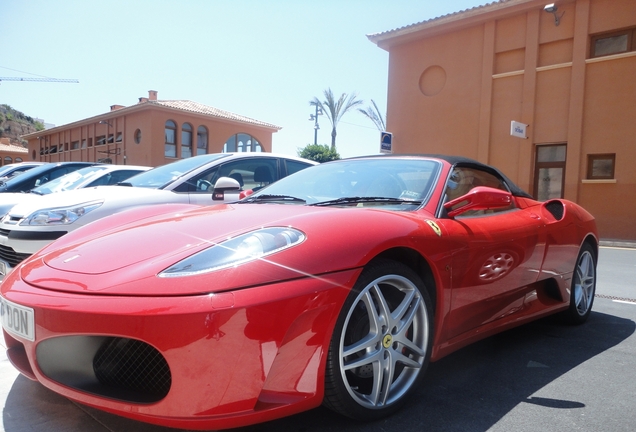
152 132
11 153
565 73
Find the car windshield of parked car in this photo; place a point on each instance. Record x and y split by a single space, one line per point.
395 183
162 176
69 181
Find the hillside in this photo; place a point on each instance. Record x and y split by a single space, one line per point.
14 124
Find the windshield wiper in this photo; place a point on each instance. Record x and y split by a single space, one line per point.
273 198
355 200
124 184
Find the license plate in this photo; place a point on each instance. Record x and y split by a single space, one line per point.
18 320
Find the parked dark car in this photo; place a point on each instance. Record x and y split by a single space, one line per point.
39 175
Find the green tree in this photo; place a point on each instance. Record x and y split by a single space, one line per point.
373 113
318 152
335 109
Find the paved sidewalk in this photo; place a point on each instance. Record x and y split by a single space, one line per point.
631 244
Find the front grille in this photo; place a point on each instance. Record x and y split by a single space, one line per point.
12 257
128 364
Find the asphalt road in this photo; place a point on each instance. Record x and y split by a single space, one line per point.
545 376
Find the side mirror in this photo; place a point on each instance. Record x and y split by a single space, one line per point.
479 198
222 185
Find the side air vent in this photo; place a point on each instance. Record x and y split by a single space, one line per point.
555 208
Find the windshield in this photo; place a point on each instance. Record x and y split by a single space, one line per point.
160 177
398 183
69 181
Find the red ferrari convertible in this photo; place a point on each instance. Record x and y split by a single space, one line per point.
335 286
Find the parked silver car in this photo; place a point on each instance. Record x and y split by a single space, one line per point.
202 180
95 175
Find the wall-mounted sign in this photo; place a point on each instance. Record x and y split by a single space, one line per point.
386 142
518 129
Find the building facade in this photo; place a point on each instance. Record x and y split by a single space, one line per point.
544 92
152 132
11 153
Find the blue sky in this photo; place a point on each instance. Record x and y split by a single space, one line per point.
263 59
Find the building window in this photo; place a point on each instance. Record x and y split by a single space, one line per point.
7 160
75 145
170 146
601 166
549 171
18 159
186 140
137 136
202 140
100 140
119 137
613 43
242 143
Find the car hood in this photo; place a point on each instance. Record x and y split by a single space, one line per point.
9 199
127 260
80 196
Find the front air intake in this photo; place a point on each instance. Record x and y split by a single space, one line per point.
128 364
118 368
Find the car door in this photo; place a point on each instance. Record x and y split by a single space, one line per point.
496 254
252 172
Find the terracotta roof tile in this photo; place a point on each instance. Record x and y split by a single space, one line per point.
377 37
195 107
13 148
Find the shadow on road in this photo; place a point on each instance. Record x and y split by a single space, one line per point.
472 389
469 390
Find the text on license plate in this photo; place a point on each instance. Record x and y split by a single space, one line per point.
18 320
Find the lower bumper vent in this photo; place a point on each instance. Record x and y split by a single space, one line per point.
118 368
130 364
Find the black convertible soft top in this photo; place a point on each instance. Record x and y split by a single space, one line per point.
465 162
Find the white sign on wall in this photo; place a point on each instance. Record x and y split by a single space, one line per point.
518 129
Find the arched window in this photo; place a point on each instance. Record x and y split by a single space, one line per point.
202 140
186 140
170 146
242 143
18 159
7 160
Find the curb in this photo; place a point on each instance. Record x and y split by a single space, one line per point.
618 243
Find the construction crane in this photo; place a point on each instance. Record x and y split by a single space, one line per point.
61 80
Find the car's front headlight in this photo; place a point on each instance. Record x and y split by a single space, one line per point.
60 215
235 251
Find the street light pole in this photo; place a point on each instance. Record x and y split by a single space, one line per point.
314 118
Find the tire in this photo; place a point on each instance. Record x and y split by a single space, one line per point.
376 360
583 286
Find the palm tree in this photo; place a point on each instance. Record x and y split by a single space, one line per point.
334 110
374 114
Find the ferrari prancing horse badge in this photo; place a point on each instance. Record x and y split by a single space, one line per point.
435 227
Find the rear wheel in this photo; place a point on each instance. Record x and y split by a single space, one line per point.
381 344
583 286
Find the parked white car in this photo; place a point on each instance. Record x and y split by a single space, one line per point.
202 180
95 175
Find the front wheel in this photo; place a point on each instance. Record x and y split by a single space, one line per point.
583 286
381 343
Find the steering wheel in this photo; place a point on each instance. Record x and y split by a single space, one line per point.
203 185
